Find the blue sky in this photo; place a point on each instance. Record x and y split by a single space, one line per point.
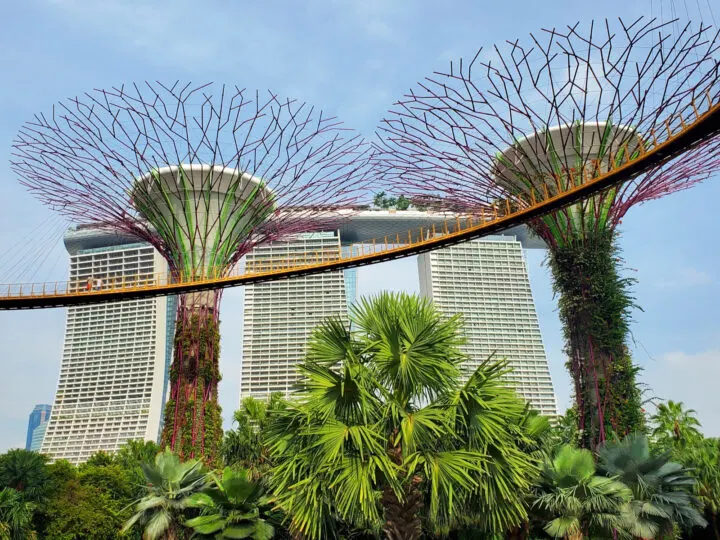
352 58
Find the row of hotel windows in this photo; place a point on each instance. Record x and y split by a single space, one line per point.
112 321
129 351
70 428
333 300
269 291
127 348
142 269
78 397
479 285
114 331
110 381
479 266
116 257
125 305
118 408
109 372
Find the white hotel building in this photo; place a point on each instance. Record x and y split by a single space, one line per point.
279 316
486 280
115 360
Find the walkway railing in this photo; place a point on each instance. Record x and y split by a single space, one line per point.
680 133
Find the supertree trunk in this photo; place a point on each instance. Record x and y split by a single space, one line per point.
594 309
193 426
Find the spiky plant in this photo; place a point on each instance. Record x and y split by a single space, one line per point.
234 506
385 436
161 511
575 501
662 489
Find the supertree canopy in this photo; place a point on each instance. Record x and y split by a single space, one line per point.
521 122
204 174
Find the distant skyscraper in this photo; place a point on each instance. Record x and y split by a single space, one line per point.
351 277
279 316
38 436
113 375
487 281
40 415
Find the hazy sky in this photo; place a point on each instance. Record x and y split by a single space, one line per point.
352 58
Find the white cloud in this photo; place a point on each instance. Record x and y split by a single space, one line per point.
691 378
685 277
178 32
697 360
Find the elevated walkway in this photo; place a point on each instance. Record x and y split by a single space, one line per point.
680 135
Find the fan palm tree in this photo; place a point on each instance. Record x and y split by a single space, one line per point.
243 445
575 502
703 457
16 516
170 485
662 490
675 426
24 471
386 437
232 508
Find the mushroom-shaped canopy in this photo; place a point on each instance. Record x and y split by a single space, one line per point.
204 210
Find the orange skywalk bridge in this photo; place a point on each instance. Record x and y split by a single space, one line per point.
701 122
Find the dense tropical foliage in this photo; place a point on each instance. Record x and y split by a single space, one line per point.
384 434
244 445
574 501
661 489
639 487
384 438
161 511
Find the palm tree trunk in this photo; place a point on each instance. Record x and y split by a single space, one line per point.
518 533
402 521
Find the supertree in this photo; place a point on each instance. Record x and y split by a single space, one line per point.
204 174
521 122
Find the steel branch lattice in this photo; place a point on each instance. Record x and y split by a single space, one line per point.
86 160
523 120
203 174
696 135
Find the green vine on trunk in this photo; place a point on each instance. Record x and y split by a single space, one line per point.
595 305
193 426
